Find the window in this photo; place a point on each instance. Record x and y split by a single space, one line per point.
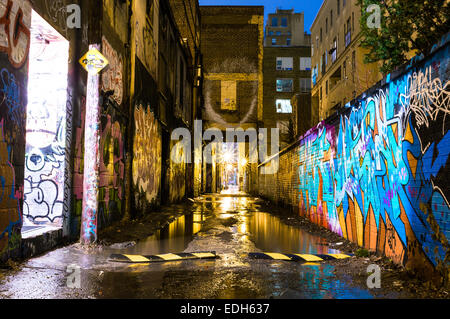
228 95
344 2
274 22
326 88
331 18
274 41
285 64
312 49
284 22
334 50
270 32
305 64
285 85
305 85
321 35
278 33
353 21
338 7
348 32
345 69
326 25
283 106
288 41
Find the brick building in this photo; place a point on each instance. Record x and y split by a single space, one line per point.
287 73
232 49
339 72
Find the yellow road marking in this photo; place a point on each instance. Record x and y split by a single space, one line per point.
278 256
203 255
137 258
309 257
339 256
169 257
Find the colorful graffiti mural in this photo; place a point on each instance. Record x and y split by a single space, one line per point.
147 158
10 216
377 177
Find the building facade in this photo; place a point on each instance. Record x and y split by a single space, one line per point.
286 28
339 73
232 49
287 73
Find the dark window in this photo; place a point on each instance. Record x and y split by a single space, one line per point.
274 22
331 18
284 22
288 41
338 7
326 25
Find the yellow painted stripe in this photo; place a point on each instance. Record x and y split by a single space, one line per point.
310 264
309 257
169 257
203 255
339 256
278 256
137 258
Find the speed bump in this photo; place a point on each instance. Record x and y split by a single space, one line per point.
162 258
299 257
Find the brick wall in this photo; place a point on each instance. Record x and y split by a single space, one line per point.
375 173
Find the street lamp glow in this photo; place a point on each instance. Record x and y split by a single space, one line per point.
244 162
227 157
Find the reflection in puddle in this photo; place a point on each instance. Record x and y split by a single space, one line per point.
271 235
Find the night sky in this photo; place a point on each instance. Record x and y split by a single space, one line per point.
309 7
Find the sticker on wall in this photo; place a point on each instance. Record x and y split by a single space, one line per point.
93 61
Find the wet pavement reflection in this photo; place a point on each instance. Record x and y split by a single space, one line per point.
230 225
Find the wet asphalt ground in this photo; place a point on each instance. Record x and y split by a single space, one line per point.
232 226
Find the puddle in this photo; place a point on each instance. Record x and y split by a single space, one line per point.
270 234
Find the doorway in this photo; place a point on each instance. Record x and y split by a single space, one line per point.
46 129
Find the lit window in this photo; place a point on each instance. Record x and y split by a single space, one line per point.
288 41
274 41
284 85
285 64
305 64
283 106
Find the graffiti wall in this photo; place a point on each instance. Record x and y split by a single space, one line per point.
375 173
15 21
147 150
112 149
177 173
46 125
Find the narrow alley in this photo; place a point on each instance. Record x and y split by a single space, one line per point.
231 226
215 150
